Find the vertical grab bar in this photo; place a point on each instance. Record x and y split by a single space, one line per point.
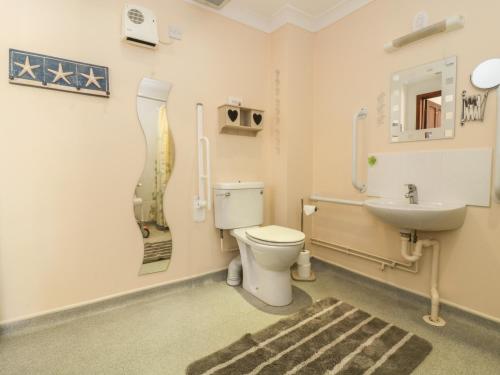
487 76
362 114
207 172
204 199
497 151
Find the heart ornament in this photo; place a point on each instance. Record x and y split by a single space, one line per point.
257 118
232 114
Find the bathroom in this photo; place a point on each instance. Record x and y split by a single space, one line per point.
78 295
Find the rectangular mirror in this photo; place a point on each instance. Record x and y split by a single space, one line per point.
423 102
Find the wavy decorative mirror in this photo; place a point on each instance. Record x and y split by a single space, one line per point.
149 197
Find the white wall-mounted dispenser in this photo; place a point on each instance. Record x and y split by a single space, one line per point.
139 26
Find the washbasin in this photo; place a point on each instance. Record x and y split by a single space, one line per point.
425 216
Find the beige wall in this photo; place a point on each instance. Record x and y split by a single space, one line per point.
352 70
70 162
290 142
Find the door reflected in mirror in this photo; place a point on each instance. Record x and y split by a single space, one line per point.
423 102
149 198
428 110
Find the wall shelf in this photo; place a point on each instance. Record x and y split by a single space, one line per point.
240 120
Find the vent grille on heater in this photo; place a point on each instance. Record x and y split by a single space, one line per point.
135 16
214 3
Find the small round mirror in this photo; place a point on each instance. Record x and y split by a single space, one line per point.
487 74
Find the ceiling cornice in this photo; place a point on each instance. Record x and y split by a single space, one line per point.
292 15
287 15
338 12
245 16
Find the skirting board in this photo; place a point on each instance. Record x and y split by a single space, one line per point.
70 312
487 319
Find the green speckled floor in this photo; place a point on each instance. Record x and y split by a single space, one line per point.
162 333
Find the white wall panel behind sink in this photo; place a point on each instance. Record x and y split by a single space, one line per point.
461 176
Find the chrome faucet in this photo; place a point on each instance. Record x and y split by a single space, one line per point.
412 194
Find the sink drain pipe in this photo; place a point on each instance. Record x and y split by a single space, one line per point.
406 245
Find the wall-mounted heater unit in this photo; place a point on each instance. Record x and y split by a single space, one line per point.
217 4
139 26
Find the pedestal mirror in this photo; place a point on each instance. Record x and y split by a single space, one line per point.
149 198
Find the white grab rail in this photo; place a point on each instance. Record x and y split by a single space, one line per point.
487 76
362 114
347 202
206 176
204 199
497 151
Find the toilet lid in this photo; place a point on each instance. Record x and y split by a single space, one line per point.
276 234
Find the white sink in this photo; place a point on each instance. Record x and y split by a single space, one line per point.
426 216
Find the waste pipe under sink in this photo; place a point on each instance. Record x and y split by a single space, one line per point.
406 244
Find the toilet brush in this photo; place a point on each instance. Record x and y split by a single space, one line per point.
303 270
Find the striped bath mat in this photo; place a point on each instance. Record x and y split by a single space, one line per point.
329 337
155 251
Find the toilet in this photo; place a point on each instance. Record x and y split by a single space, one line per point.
267 252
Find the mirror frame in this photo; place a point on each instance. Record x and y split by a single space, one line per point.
448 69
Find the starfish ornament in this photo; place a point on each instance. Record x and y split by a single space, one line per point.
27 68
91 78
60 74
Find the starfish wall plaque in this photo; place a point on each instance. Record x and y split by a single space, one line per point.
34 69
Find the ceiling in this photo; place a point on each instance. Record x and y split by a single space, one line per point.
269 15
268 8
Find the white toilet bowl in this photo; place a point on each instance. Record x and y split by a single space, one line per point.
267 253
